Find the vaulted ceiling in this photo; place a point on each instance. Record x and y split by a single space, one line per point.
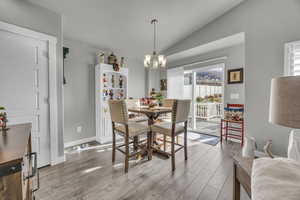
124 25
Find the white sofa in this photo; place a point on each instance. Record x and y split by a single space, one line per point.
275 179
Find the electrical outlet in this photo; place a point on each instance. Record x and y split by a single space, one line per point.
79 129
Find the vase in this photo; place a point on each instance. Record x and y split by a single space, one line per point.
249 147
111 59
101 58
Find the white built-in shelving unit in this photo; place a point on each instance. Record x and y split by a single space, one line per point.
109 84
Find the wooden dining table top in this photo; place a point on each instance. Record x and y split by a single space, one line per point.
151 111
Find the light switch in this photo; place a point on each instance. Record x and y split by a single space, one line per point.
234 96
79 129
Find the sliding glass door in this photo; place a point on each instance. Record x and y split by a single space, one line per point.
205 86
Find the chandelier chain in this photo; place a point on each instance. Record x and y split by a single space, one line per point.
155 36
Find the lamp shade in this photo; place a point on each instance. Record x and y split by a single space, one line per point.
285 101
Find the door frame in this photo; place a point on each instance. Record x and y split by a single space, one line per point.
203 68
53 85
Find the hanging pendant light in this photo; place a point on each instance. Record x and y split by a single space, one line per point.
155 60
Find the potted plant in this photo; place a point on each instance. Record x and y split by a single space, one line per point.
199 99
159 98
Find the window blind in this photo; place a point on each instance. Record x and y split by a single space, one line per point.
293 59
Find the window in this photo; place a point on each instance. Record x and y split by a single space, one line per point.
188 78
292 59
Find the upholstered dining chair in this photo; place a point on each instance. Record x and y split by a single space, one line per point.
168 103
167 117
133 117
129 130
178 125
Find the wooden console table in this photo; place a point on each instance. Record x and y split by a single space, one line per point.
242 168
18 164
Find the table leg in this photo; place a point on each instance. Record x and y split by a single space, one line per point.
149 145
135 143
150 123
236 185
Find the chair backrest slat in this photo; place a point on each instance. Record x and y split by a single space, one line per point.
181 110
118 111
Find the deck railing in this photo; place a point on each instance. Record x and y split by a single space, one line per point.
207 111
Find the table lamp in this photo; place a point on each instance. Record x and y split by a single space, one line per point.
285 109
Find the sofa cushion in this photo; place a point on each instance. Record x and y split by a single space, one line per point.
275 179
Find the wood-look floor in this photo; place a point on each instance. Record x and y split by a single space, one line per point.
89 174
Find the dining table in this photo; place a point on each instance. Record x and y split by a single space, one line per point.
152 115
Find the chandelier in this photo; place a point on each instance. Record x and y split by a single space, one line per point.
155 60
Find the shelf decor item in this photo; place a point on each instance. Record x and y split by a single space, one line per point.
116 66
3 119
155 61
122 62
112 81
235 76
121 81
111 59
101 57
104 80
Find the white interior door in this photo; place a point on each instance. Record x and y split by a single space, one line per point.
24 87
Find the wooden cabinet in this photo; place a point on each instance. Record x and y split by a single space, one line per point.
17 163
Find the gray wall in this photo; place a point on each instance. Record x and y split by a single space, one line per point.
79 92
136 83
267 25
25 14
235 59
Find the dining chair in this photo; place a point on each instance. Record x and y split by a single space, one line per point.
168 103
129 130
167 117
178 125
134 103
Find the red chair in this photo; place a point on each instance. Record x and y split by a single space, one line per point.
233 126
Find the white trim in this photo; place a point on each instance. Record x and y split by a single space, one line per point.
27 32
59 160
199 62
221 43
53 89
81 141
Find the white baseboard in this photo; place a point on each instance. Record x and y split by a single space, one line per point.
58 160
81 141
